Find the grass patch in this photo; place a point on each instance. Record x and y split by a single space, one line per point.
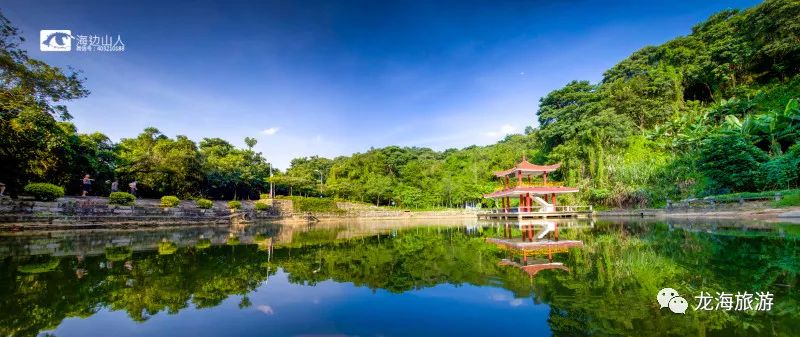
754 195
788 200
317 205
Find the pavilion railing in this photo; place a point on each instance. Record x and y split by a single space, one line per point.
542 209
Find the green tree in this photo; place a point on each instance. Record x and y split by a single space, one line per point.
32 94
730 162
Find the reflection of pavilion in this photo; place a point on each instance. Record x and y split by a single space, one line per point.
534 267
536 237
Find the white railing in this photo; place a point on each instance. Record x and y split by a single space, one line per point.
541 209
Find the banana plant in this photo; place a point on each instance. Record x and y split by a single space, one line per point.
775 129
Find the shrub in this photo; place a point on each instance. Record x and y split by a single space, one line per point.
203 244
780 172
233 241
121 198
167 248
204 203
44 191
730 161
170 201
234 204
598 195
263 196
260 206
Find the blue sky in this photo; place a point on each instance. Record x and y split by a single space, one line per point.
336 77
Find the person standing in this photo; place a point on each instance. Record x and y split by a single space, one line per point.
132 186
87 185
115 186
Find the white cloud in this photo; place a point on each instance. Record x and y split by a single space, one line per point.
504 130
514 302
266 309
270 131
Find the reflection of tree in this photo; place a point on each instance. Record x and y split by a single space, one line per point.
155 283
609 289
614 280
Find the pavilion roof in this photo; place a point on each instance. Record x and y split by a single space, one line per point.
528 169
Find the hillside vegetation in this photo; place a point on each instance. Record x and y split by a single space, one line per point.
712 112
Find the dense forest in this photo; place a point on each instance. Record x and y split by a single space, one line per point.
712 112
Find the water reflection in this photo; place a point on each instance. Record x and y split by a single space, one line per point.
362 278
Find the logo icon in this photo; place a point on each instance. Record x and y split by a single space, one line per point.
55 40
678 305
669 298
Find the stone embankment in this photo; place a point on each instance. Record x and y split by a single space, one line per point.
96 212
757 210
89 212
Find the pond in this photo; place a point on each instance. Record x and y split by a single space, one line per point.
399 279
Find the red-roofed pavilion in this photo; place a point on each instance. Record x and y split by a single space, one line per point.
518 182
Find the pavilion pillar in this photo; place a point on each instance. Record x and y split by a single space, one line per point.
528 202
554 200
506 181
555 232
521 207
544 178
519 178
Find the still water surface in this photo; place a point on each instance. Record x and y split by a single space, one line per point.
386 279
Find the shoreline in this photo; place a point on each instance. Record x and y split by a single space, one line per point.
94 213
766 215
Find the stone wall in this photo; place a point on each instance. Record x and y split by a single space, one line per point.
73 210
92 212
